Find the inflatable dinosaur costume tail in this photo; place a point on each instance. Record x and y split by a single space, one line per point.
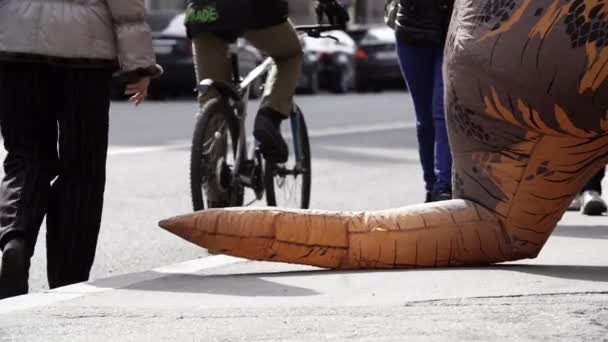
527 113
430 235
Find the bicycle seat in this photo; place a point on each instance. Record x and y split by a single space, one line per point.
225 89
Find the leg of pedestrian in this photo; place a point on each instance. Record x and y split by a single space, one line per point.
29 130
442 189
75 206
418 68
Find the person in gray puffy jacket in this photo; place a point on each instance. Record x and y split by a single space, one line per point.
57 61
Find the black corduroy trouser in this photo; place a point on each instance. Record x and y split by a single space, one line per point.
54 122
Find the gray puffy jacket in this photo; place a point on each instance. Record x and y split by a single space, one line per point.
79 32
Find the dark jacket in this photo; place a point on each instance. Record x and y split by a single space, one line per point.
231 17
423 22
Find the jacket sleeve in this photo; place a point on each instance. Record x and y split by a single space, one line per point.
133 40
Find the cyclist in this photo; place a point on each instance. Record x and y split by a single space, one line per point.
214 24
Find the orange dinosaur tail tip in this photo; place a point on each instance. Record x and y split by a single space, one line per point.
172 224
308 237
166 224
179 225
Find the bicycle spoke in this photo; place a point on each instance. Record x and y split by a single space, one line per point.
288 184
288 187
213 157
216 157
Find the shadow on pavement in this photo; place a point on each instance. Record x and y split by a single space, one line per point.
575 272
267 283
586 232
233 285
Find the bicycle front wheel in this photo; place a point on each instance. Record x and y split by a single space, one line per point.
212 158
288 185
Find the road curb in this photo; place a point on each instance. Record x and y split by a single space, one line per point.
70 292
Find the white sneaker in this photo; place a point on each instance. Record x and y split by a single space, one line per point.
593 204
575 205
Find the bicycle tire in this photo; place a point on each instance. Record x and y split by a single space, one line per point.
272 171
203 168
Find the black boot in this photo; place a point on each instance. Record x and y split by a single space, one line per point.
441 195
267 131
14 273
429 197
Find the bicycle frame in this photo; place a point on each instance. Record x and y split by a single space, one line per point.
241 105
244 154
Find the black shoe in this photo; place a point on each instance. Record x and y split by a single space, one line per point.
429 197
14 273
217 204
267 131
441 195
593 204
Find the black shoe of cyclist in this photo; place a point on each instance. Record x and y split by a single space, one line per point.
267 131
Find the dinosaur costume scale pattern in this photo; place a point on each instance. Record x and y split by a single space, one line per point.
527 111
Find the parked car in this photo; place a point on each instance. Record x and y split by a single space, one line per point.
174 53
309 77
159 20
376 63
335 60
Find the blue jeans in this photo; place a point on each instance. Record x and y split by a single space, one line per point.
422 70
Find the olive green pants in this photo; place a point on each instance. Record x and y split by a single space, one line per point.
211 60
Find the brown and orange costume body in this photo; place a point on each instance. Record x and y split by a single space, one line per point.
527 109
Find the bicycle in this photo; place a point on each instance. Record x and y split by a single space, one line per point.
223 161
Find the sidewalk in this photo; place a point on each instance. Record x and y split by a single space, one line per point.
561 295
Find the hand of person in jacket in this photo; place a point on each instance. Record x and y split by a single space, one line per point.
334 10
138 90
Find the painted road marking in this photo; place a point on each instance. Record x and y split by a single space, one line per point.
316 133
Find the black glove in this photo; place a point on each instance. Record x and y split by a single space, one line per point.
335 12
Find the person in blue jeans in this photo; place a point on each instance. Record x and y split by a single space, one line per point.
421 28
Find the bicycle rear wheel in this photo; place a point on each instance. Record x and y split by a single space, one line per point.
288 185
212 157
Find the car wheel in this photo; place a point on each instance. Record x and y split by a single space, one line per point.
363 86
312 84
340 84
157 96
